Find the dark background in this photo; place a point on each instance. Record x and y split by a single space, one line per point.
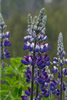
15 15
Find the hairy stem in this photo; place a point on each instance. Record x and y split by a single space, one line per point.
37 91
32 79
61 83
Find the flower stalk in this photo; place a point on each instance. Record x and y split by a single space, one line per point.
32 76
61 90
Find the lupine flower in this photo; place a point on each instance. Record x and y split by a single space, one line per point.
59 61
4 43
35 42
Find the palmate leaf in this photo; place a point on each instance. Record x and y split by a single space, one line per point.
17 65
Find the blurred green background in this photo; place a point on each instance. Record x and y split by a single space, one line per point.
15 15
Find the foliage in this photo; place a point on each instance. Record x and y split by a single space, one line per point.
13 83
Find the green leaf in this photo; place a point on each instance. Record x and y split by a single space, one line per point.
8 80
3 91
7 70
20 91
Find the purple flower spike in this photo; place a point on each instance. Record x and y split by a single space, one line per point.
35 44
4 39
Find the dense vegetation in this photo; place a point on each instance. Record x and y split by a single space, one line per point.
15 14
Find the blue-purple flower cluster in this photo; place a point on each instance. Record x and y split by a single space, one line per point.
61 71
39 48
42 77
35 42
4 43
